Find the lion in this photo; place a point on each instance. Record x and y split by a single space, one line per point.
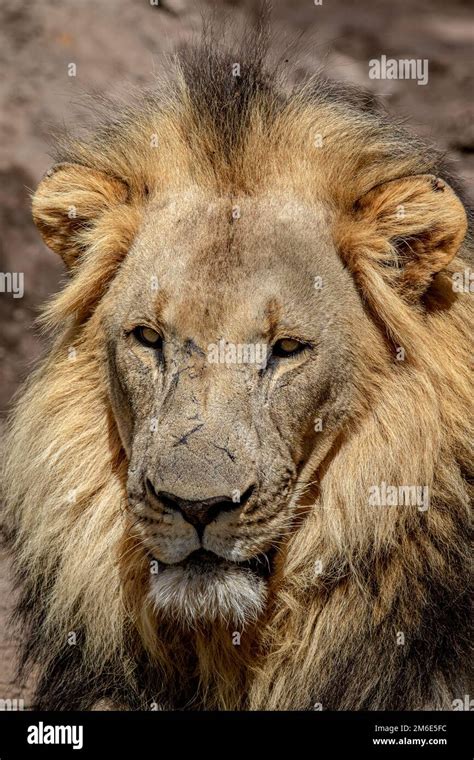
200 525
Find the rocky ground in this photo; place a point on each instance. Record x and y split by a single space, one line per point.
118 44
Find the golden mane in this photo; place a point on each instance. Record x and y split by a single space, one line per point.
80 567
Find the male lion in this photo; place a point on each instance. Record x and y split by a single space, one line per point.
196 529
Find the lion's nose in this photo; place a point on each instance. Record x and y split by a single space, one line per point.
200 513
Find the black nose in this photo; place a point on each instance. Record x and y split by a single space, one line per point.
200 513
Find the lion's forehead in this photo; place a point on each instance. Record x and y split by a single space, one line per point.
228 258
196 230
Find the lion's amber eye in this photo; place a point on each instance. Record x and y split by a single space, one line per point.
147 336
287 347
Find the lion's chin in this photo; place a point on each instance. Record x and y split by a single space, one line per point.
205 589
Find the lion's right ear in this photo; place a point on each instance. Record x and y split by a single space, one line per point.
68 201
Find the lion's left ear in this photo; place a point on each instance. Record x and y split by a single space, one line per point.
406 230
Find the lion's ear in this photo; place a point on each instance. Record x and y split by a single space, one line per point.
408 230
69 201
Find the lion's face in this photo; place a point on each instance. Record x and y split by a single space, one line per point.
229 347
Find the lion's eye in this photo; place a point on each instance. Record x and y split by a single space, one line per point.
147 336
288 347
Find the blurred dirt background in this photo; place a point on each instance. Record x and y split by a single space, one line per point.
118 44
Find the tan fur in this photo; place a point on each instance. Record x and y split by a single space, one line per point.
325 637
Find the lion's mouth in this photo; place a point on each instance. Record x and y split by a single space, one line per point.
205 588
202 562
